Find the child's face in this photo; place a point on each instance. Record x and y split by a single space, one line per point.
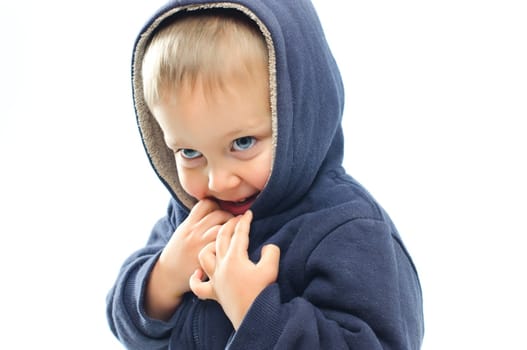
221 138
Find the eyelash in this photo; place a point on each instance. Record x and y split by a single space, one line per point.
234 148
182 152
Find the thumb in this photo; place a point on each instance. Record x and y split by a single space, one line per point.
202 289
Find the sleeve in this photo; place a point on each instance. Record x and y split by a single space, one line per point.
125 313
361 292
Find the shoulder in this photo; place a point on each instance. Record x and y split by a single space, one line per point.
337 194
339 208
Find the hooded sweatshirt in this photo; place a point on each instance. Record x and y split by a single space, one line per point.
345 279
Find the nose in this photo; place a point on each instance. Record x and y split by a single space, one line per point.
222 179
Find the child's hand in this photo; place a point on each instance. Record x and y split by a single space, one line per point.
234 280
169 278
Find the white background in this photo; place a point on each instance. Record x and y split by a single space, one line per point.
436 101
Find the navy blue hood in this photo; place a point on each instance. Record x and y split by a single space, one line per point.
307 99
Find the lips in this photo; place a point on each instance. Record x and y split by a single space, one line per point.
238 207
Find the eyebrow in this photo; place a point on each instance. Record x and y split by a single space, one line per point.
235 132
172 144
248 131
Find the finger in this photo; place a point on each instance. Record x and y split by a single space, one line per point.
240 240
216 217
202 208
270 260
201 289
210 234
207 258
223 240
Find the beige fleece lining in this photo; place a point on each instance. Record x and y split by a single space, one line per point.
160 155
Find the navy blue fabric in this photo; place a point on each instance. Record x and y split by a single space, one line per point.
345 279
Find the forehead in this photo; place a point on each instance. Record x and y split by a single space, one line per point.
236 106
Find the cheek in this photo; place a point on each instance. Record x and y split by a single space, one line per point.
192 183
262 172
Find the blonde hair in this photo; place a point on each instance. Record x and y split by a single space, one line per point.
209 45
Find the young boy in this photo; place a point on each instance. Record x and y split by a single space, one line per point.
267 242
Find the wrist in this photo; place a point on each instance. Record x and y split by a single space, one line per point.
161 300
236 316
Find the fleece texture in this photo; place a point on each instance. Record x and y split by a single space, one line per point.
345 279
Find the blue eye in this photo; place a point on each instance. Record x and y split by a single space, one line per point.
243 143
189 153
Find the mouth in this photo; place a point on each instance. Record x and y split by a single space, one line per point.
237 207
